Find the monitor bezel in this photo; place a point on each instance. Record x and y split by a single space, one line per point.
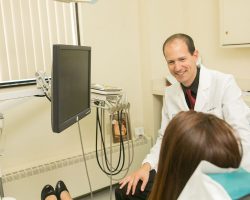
57 126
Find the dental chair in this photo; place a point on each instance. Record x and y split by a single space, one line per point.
210 182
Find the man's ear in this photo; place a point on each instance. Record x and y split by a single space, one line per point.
196 54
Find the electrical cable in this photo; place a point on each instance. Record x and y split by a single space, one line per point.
109 170
84 159
132 157
118 108
103 128
45 95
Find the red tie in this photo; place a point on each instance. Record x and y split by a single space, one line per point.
190 98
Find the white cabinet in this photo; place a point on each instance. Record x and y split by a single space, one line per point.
235 23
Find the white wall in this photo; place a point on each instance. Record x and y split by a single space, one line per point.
126 39
199 19
111 28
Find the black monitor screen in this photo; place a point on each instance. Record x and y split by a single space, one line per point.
70 94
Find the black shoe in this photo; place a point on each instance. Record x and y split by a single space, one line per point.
47 191
60 187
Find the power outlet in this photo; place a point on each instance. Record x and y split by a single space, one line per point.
139 131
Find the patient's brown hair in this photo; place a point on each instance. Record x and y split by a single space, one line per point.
189 138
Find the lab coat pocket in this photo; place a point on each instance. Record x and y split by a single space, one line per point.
215 111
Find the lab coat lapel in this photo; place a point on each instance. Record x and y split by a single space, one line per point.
203 89
181 99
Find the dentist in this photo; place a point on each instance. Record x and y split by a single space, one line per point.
200 89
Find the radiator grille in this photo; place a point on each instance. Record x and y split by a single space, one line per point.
35 170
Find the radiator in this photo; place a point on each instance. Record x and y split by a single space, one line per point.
25 184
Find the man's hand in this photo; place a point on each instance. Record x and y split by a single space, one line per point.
132 180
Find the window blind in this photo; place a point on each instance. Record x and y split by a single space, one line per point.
28 29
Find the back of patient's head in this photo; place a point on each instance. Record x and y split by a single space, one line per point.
189 138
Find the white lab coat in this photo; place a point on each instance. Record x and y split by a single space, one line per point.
217 94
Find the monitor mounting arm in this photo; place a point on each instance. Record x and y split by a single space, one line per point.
43 83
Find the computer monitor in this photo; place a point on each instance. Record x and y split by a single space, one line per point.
70 85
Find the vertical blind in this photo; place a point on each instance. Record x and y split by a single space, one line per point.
28 29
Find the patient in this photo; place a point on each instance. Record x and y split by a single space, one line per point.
60 192
189 138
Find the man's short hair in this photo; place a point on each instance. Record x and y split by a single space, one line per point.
186 38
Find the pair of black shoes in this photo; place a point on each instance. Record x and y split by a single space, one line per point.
49 190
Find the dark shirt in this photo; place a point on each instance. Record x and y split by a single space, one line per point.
193 87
